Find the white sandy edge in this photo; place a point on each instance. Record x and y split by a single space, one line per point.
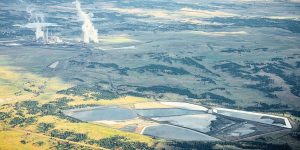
109 122
143 130
287 122
185 106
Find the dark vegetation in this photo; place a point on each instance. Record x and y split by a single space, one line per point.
94 92
68 135
242 50
241 145
39 143
45 127
163 57
114 142
218 99
97 65
298 64
277 108
23 141
120 142
205 79
266 107
154 68
265 84
291 79
16 121
296 134
54 108
291 25
33 108
233 69
166 89
4 115
68 145
213 98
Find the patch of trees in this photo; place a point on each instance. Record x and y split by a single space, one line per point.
120 142
235 50
161 57
93 92
77 63
291 79
198 58
132 93
234 69
206 79
4 115
239 145
29 121
185 60
67 145
78 79
166 89
39 143
44 127
21 121
23 142
264 86
30 105
242 49
217 88
190 62
68 135
265 82
266 107
105 65
286 65
16 121
277 108
49 109
94 65
218 99
277 59
52 108
122 71
294 112
154 68
62 102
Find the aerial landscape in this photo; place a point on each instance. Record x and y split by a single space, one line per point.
150 74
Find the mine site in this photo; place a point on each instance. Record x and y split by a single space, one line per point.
183 121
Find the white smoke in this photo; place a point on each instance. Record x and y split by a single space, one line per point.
38 23
40 33
89 31
40 28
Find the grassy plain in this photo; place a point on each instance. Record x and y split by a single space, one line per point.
17 85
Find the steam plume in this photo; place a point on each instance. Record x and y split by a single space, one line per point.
39 26
89 31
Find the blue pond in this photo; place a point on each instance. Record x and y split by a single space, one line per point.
166 112
102 113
